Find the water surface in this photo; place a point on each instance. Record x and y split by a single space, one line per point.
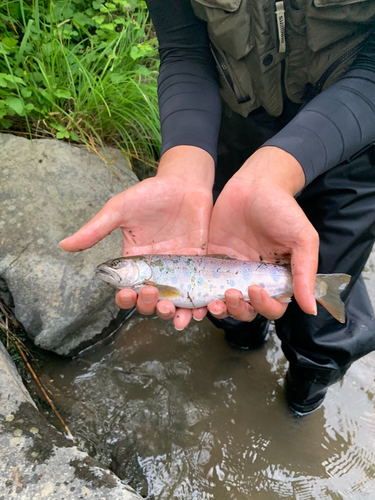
182 415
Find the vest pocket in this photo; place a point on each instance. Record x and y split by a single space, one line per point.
228 24
331 3
329 21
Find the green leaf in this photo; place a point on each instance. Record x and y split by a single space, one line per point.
74 136
62 135
16 104
99 19
5 124
29 106
97 4
3 82
11 78
10 43
26 93
109 26
63 94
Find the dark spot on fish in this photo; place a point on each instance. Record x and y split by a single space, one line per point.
260 258
130 231
278 262
236 272
177 316
275 253
40 161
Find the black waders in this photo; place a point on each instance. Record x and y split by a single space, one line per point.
340 204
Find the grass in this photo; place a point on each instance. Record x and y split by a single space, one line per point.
80 70
14 338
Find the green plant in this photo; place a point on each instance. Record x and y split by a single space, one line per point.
80 70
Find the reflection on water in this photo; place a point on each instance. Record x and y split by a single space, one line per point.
182 415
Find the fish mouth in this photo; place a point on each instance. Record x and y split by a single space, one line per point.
107 274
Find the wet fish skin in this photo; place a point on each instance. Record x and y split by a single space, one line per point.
191 281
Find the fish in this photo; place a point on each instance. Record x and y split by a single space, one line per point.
192 281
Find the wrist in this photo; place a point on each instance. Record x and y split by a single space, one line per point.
273 165
188 163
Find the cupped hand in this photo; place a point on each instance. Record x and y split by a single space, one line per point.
257 218
169 213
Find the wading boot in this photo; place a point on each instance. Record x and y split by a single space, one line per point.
304 391
243 335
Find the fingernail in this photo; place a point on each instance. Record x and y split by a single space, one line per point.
216 313
232 300
178 329
125 300
256 295
197 319
315 313
148 297
163 311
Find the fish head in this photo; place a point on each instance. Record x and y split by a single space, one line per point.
120 273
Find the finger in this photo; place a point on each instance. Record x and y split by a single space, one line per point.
237 307
304 268
264 305
165 309
182 318
126 299
199 313
147 300
100 226
218 309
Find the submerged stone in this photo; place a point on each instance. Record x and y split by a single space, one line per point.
39 462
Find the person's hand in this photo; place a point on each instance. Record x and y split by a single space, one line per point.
169 213
257 218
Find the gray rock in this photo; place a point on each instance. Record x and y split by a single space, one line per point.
48 190
39 462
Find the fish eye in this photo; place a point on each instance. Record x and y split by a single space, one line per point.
116 263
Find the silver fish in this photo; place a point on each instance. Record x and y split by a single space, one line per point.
194 281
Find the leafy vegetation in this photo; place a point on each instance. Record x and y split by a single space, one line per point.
80 70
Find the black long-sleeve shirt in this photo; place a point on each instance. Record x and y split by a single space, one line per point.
330 129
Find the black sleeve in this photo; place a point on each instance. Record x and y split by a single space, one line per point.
188 90
338 123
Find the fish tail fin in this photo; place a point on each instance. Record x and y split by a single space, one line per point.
327 292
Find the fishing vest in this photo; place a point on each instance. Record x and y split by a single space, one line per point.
266 50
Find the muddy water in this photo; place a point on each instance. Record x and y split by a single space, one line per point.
182 415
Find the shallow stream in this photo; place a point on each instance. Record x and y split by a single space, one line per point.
182 415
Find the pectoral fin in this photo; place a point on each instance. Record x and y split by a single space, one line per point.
167 292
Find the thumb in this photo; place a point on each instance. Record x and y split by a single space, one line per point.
107 220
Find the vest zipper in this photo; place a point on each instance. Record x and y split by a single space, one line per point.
311 90
224 68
